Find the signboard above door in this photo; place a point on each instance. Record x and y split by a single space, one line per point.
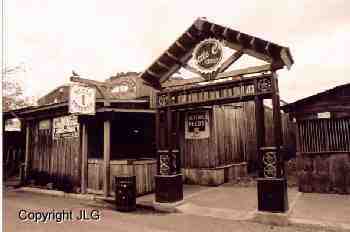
82 100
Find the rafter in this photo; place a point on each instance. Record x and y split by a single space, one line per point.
180 46
233 58
249 70
161 64
248 51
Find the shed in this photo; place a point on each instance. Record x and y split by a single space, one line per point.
323 140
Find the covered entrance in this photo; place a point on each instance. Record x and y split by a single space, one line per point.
200 50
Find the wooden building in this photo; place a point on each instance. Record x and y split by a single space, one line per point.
323 140
82 153
217 133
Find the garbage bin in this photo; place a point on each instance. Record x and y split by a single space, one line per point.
125 193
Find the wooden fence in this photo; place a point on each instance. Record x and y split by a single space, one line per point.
324 135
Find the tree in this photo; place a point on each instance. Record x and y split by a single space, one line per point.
13 97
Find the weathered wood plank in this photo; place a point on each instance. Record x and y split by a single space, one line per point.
106 156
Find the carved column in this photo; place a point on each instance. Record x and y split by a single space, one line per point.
272 184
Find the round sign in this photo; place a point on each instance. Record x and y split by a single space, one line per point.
208 55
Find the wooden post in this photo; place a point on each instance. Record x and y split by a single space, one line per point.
277 125
177 142
260 131
157 131
106 155
84 158
170 137
26 161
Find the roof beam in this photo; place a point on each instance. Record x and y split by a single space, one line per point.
189 35
233 58
180 46
161 64
243 71
179 62
248 51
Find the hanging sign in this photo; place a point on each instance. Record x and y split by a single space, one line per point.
208 55
82 100
197 125
65 127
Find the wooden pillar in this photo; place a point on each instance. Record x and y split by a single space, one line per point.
27 152
277 125
272 188
84 158
157 138
106 155
169 121
260 131
177 142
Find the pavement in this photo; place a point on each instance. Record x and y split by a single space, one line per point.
238 204
228 201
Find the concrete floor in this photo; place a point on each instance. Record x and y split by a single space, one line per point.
111 220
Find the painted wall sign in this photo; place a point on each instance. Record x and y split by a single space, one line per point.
124 88
13 124
208 55
65 127
324 115
197 125
45 124
82 99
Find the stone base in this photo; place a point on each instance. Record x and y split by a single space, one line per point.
214 176
166 207
169 188
272 195
277 219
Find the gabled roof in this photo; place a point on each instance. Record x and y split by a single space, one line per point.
341 89
181 50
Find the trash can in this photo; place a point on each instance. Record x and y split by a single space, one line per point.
125 193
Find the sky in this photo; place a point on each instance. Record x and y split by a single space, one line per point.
97 39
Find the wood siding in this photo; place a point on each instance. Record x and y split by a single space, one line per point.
58 159
324 135
144 170
232 137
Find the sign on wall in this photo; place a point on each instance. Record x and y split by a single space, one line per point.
45 124
13 124
65 127
124 88
197 125
324 115
82 99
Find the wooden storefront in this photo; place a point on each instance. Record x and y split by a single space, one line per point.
68 152
323 140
